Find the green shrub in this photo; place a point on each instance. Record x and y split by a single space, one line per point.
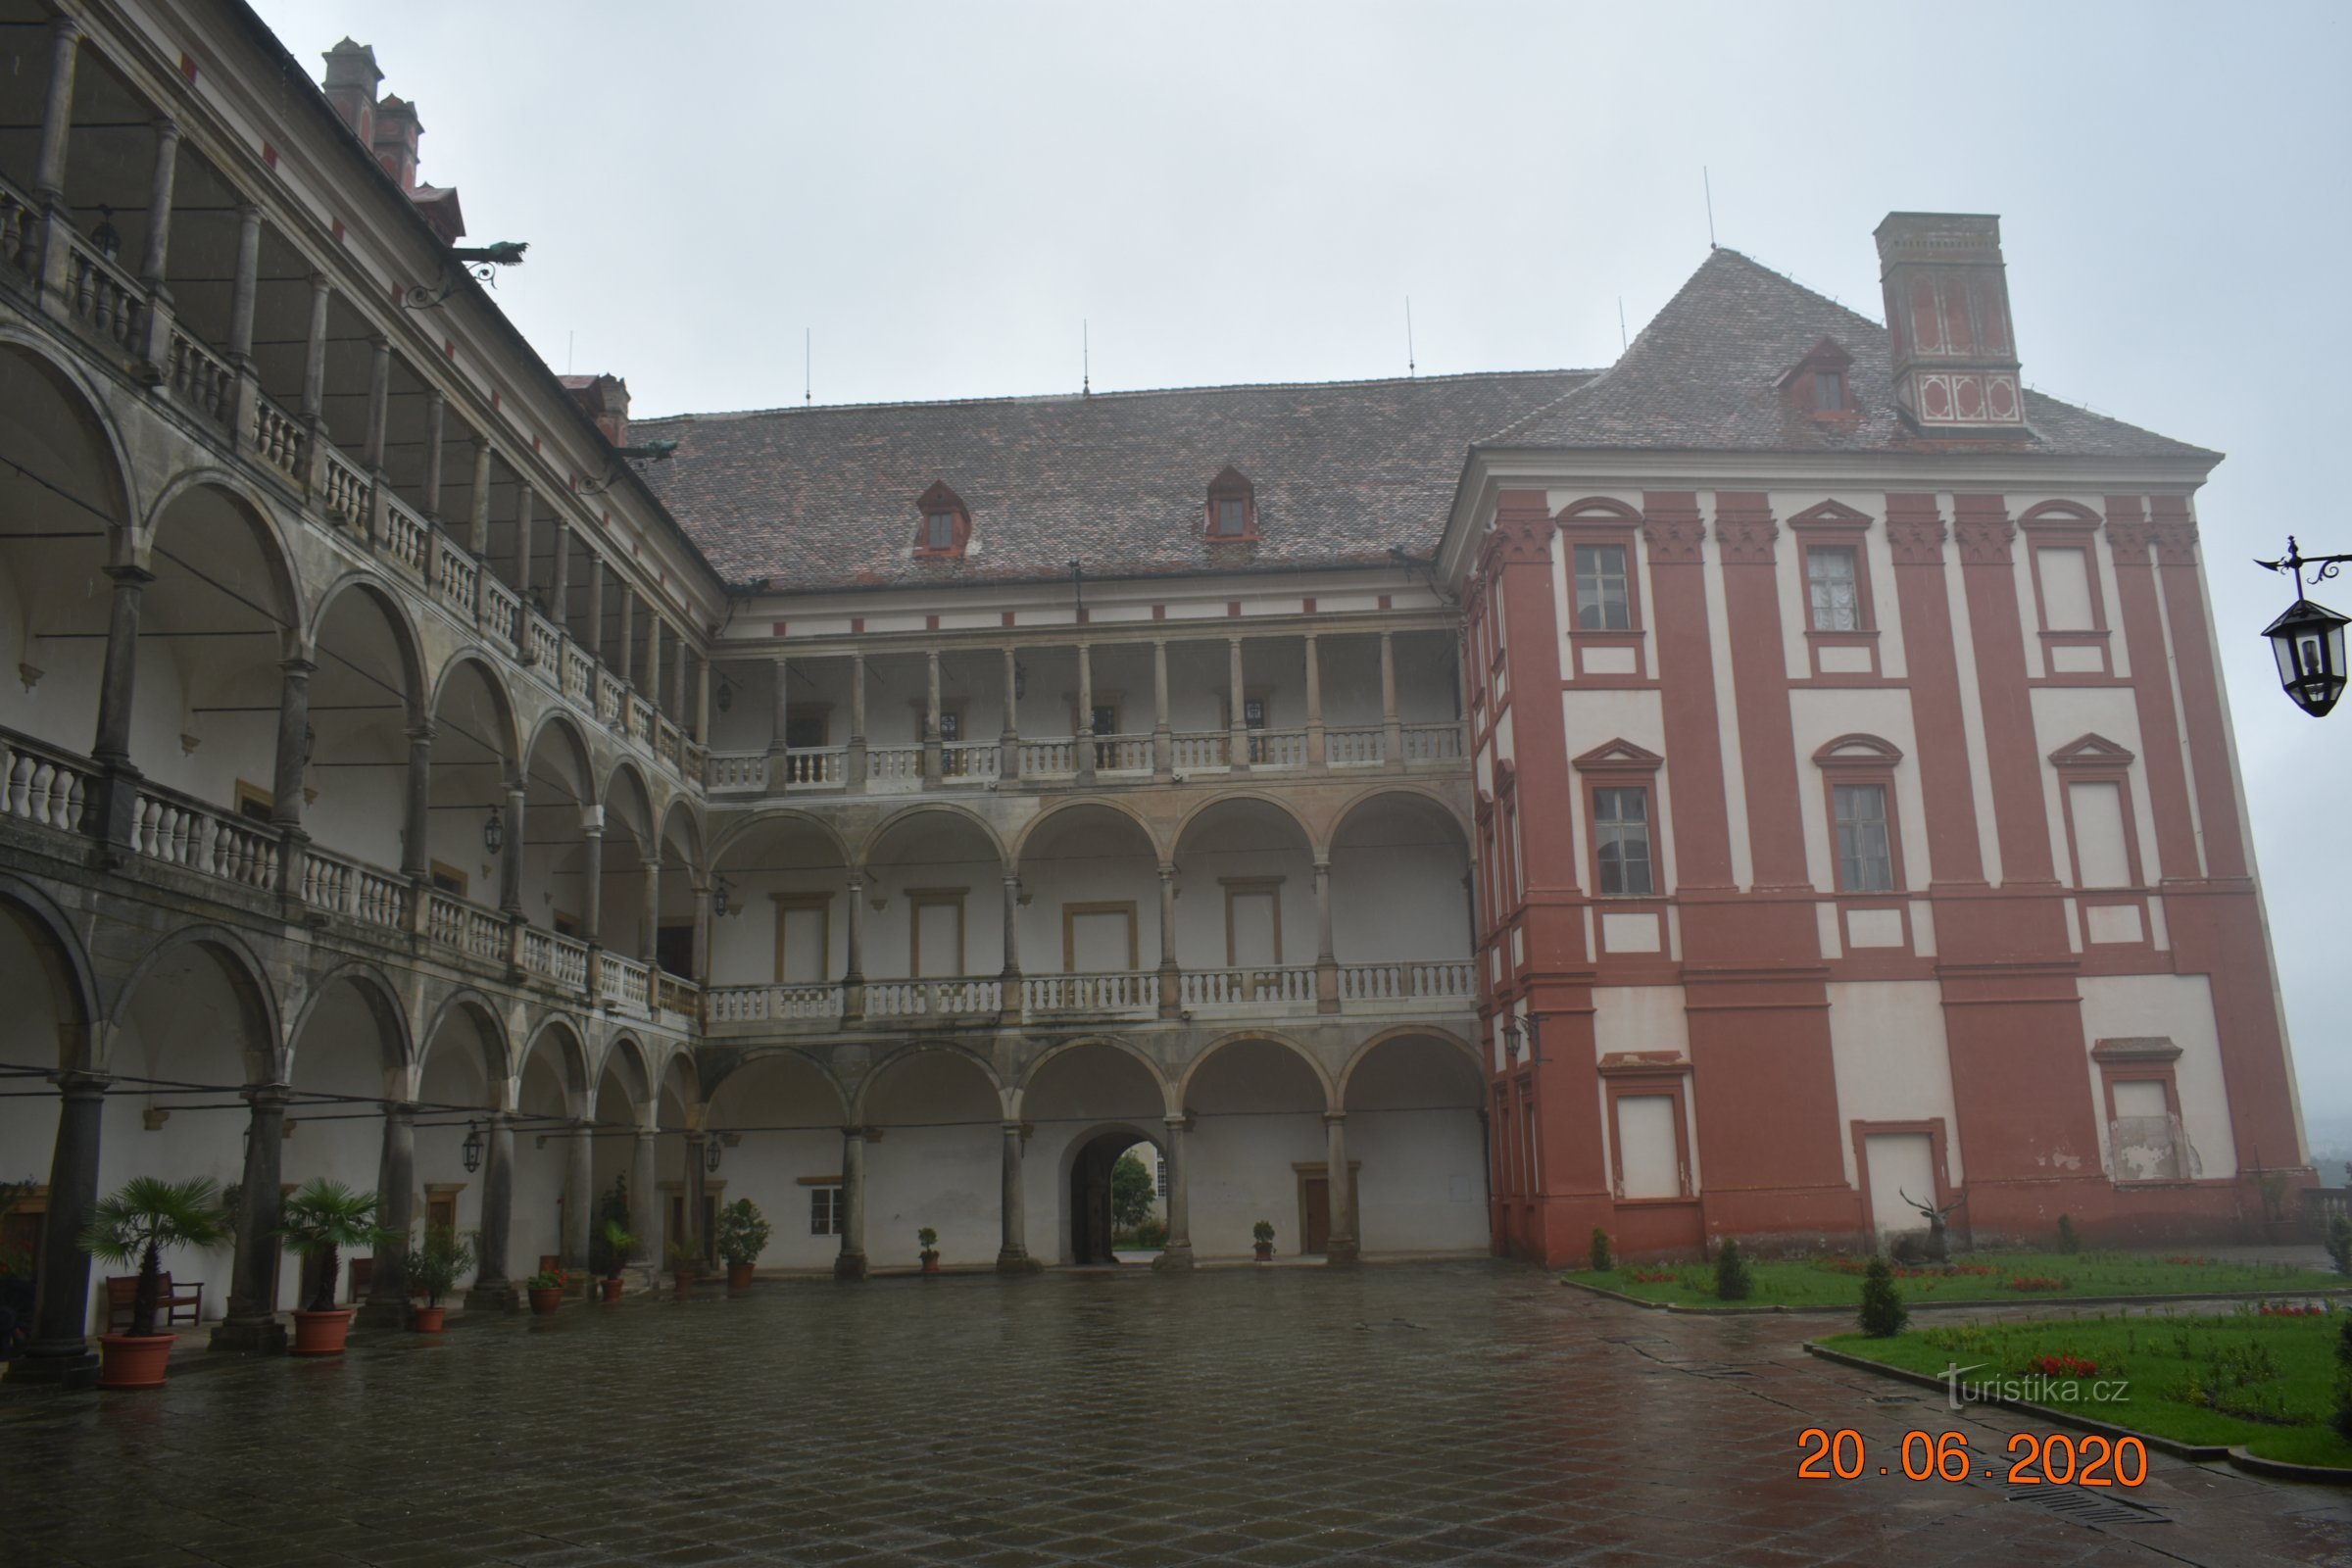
2340 1242
2068 1240
1731 1281
2341 1420
743 1233
1883 1311
1602 1262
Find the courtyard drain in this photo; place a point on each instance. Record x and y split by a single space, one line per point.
2087 1508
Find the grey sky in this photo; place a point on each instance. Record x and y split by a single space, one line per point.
1247 193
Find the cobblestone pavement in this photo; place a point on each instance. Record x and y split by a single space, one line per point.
1454 1413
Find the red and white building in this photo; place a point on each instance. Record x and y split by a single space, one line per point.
1857 813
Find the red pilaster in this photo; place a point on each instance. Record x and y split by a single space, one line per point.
1915 535
1981 527
1677 590
2176 534
2130 539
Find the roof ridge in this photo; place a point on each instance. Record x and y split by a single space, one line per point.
1455 378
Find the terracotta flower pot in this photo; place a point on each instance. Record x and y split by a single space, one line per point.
739 1276
930 1262
322 1333
430 1320
682 1284
133 1360
1265 1251
544 1300
611 1286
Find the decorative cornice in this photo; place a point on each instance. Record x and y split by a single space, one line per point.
1915 531
1744 529
1982 528
1672 528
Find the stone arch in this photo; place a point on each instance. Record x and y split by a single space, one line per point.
1017 850
678 1064
572 1052
1597 509
862 1104
498 1063
626 1050
502 701
403 628
1373 793
58 952
1027 1078
1191 1070
752 1063
248 979
1417 1031
1229 798
268 536
731 836
85 406
679 815
624 789
383 1001
1080 1236
911 815
558 720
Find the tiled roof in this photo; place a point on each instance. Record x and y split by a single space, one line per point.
1701 378
825 498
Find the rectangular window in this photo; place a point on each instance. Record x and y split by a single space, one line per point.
1649 1155
2065 588
824 1211
1829 390
2101 857
1865 862
1621 838
936 937
1830 573
941 534
1231 518
1098 938
950 724
1601 592
804 729
803 938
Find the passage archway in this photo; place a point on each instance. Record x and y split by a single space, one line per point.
1414 1105
1088 1104
1258 1107
940 1118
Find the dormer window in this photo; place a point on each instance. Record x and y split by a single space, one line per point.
947 524
1232 506
1828 391
1817 383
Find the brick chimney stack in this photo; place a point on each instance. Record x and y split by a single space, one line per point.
1947 312
397 129
351 82
606 399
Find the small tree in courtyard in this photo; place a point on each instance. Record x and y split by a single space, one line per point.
319 1222
138 1222
2340 1242
611 1214
1731 1281
1602 1261
1883 1311
2342 1419
2068 1240
1131 1193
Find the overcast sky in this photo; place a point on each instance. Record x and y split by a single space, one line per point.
943 193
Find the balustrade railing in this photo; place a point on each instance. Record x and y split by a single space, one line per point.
933 998
674 994
893 768
198 377
1353 748
1223 987
560 958
354 890
971 761
20 228
1453 980
277 438
502 612
1123 754
203 839
627 981
611 696
1127 993
668 740
459 573
547 649
815 767
1198 752
407 537
1277 748
468 928
737 772
1433 742
579 672
1048 759
641 717
100 295
41 784
771 1004
343 491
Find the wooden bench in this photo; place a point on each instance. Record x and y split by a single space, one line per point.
184 1305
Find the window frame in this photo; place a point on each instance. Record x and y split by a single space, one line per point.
937 500
2069 526
1576 597
2149 1059
1834 525
1601 520
1809 551
824 1190
1837 856
822 905
1070 933
1648 1074
1620 764
917 901
1607 831
2095 759
1250 886
1230 484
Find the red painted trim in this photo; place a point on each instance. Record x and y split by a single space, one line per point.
1746 529
1981 525
2209 748
1702 834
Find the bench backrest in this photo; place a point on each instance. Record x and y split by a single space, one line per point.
123 1289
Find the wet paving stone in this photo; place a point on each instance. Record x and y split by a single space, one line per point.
1456 1414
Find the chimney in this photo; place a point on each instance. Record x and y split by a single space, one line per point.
395 140
606 399
350 84
1948 313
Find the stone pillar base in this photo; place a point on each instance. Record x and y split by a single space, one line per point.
249 1335
68 1369
1017 1263
1175 1258
499 1297
1339 1253
850 1266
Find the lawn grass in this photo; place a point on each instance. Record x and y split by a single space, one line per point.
2285 1366
1975 1279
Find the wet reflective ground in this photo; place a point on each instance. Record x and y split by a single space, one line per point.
1463 1413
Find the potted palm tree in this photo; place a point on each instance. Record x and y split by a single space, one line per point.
929 1240
431 1270
1263 1234
134 1226
617 1242
742 1238
319 1222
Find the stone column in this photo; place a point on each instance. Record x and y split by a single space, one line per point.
1012 1256
579 1193
477 513
701 700
850 1264
933 762
1316 757
779 714
856 759
592 879
243 285
645 1197
1237 739
252 1324
387 1304
415 846
628 642
57 112
510 865
853 978
1340 1247
436 414
492 1291
678 678
559 588
380 402
653 658
293 763
117 816
59 1349
526 504
314 359
1084 761
1012 941
596 617
649 919
1171 981
1391 732
701 932
157 260
1178 1254
1327 963
1008 741
1163 740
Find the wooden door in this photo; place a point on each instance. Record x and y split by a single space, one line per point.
1317 1191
